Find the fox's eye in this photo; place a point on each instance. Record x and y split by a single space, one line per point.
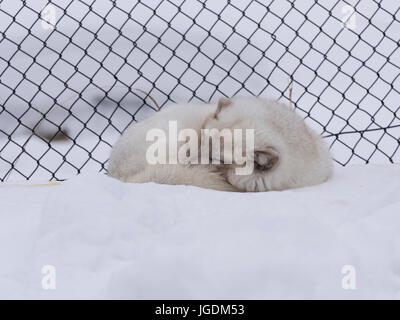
265 160
262 167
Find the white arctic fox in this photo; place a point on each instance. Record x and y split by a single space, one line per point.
286 153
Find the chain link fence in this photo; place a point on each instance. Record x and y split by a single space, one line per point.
75 74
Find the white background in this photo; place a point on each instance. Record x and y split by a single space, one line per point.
271 42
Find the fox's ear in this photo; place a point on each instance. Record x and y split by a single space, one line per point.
222 103
266 159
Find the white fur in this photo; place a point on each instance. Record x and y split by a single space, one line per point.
303 157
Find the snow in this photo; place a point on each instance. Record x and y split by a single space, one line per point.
108 239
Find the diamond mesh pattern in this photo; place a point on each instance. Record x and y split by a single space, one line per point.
68 90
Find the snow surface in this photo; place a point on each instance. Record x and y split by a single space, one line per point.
109 239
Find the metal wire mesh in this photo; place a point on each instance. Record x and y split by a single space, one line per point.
75 74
